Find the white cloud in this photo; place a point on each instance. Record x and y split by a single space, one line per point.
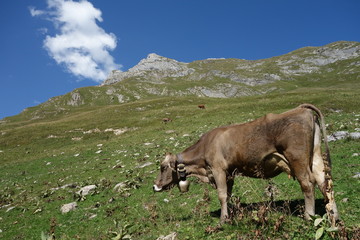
80 44
43 30
34 12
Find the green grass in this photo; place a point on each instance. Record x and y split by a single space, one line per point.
42 154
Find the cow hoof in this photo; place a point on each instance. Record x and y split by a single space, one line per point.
308 217
226 220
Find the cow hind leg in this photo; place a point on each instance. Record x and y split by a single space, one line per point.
304 176
307 187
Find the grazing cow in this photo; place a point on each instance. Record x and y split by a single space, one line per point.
166 120
201 106
288 142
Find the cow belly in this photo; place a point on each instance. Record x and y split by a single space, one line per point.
274 164
271 166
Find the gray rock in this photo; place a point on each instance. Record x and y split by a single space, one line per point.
354 135
171 236
357 175
120 186
68 207
338 136
342 135
86 190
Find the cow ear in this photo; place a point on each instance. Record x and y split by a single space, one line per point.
168 156
173 161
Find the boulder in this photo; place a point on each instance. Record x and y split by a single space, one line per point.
86 190
68 207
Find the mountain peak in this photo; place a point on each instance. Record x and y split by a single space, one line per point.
151 62
154 67
154 56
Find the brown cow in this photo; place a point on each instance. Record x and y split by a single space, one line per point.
201 106
288 142
166 120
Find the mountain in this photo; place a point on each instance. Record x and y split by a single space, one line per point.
311 60
336 65
156 68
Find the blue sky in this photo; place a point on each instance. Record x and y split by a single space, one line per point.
49 48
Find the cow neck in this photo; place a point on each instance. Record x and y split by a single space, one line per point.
193 168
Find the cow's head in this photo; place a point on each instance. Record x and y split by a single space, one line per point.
171 174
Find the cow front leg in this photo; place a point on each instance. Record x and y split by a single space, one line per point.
221 185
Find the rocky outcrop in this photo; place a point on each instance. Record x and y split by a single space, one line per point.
333 53
76 99
153 67
221 91
311 60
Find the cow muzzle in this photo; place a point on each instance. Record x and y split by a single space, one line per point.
156 188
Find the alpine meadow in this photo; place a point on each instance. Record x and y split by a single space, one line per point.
83 165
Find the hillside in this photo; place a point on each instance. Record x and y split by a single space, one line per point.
336 65
45 163
111 138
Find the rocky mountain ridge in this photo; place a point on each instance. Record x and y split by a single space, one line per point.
155 68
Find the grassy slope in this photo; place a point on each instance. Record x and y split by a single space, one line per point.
32 163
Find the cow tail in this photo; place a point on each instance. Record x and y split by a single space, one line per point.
329 191
323 129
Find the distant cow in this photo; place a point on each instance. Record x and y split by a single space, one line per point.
288 142
201 106
166 120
